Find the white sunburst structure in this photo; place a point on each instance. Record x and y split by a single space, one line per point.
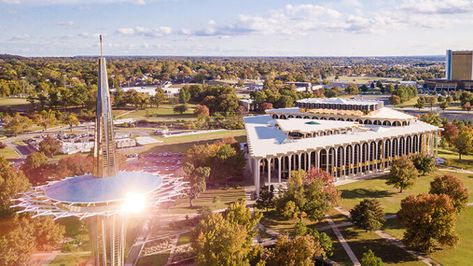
108 196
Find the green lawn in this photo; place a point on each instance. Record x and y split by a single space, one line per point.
182 144
223 198
8 153
362 79
465 163
70 259
390 197
154 260
409 103
13 101
184 238
165 112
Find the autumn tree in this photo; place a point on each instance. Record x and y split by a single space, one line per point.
464 141
45 119
307 195
16 124
402 173
238 213
444 105
368 214
352 89
451 186
467 106
12 182
370 259
420 103
71 120
36 168
74 165
158 98
450 132
395 100
201 111
17 246
196 177
423 163
432 101
50 146
429 220
299 251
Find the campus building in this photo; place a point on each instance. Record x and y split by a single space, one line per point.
459 65
346 138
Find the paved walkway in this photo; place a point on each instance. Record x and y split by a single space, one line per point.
344 243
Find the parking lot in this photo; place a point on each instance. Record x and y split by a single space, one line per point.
162 162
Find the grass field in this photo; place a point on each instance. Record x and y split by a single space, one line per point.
409 103
390 197
165 112
465 163
184 239
8 153
214 199
70 259
362 80
154 260
13 102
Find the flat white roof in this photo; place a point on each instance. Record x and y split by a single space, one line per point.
338 101
381 113
311 125
264 139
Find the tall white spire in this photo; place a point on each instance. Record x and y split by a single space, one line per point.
104 150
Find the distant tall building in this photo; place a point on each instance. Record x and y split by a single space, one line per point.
459 65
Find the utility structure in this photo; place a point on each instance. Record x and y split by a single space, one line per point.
106 197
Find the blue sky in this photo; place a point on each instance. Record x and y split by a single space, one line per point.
235 27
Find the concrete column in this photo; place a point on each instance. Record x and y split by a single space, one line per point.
269 171
279 169
310 160
289 166
327 155
335 162
436 140
256 175
299 161
317 159
307 159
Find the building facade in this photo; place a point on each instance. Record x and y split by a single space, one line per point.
459 65
347 138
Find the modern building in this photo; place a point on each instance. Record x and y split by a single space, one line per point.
346 138
106 197
459 65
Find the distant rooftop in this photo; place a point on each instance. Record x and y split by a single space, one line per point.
339 101
310 125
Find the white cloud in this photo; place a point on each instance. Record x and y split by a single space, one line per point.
143 31
438 6
20 37
66 23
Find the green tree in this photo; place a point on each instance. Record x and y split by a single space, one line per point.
299 251
444 105
370 259
71 120
158 98
423 163
464 141
184 96
17 245
395 100
429 220
16 124
50 146
266 198
196 177
432 101
180 109
45 119
238 213
402 174
352 89
420 103
451 186
12 182
368 214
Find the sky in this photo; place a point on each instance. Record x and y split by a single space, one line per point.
236 27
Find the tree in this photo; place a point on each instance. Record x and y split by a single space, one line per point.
180 109
402 174
464 141
310 195
420 103
50 146
36 168
265 106
218 241
444 105
184 96
450 132
395 100
71 120
451 186
429 220
370 259
158 98
16 124
467 106
238 213
352 89
74 165
45 119
17 246
432 101
266 198
423 163
12 182
201 111
299 251
196 177
368 214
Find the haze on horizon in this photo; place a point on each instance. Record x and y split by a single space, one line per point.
235 27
